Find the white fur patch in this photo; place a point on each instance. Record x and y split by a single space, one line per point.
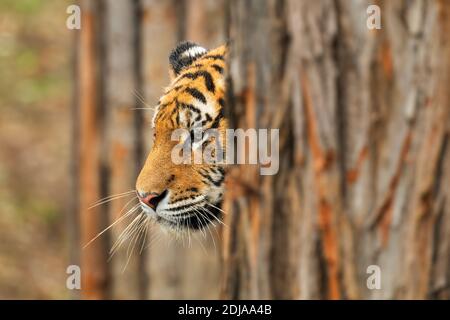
194 52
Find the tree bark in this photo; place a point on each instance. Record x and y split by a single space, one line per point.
364 122
94 269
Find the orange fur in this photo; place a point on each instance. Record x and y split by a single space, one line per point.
159 173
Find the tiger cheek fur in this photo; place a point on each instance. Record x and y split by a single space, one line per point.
186 196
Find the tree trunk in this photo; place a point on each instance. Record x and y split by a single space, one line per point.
364 120
110 143
94 269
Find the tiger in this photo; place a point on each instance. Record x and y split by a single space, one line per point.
186 196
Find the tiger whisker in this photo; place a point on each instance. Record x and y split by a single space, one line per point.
202 225
135 230
215 229
208 227
110 198
189 234
134 239
114 223
147 108
210 221
130 232
145 235
201 244
114 195
122 237
144 226
154 237
216 207
210 213
142 100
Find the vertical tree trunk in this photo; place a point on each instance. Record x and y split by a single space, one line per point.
94 268
72 213
122 135
109 142
258 93
364 123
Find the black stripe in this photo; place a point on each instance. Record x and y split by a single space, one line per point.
217 119
219 182
191 107
192 197
184 206
214 57
216 183
196 94
218 68
179 60
208 119
209 82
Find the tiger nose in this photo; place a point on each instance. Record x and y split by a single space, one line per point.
151 199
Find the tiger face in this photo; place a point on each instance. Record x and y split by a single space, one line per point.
186 195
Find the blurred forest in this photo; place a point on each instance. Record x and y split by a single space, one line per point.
35 125
364 179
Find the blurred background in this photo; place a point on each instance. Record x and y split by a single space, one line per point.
364 119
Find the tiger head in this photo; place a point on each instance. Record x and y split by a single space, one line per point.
186 195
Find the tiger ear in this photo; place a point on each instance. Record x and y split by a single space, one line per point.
183 56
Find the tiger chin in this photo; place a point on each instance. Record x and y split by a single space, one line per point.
186 196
